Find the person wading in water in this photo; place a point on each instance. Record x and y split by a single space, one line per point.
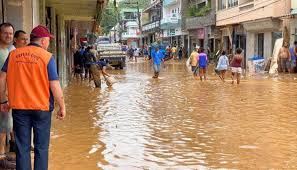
236 64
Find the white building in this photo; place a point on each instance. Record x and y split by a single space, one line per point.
171 22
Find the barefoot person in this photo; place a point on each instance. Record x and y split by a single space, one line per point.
157 59
284 58
236 64
222 65
193 60
202 61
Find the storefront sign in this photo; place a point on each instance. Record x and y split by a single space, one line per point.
201 33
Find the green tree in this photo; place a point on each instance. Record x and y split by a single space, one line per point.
109 18
110 13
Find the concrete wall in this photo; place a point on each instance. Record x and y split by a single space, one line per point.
250 44
27 16
62 65
261 9
15 13
293 26
22 14
42 12
35 13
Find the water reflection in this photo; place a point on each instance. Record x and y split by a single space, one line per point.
177 122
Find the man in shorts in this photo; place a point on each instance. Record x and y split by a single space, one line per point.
284 58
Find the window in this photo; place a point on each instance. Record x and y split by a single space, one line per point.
261 44
221 4
232 3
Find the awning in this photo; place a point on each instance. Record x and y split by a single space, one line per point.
82 10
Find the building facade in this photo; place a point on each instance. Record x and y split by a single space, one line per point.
151 18
201 25
171 23
253 25
129 26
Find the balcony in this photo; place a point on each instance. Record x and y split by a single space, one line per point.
151 26
198 22
170 22
127 35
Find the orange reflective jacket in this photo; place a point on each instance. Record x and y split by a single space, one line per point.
27 79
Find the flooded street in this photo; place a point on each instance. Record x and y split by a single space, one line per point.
177 122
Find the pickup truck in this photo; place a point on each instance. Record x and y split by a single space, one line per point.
113 53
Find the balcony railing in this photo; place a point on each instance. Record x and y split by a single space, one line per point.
170 22
198 22
151 25
126 35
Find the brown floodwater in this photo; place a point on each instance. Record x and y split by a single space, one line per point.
177 122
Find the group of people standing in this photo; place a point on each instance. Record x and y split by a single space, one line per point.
199 62
175 53
29 83
88 65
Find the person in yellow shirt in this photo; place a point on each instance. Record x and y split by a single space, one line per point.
173 50
193 60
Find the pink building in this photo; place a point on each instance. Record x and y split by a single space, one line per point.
253 25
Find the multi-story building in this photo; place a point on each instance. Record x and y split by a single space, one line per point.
253 25
151 18
200 24
171 22
129 27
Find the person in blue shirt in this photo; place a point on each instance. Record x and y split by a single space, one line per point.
157 57
222 65
293 53
202 61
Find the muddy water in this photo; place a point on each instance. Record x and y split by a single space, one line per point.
177 122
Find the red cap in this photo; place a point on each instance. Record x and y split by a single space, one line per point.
40 32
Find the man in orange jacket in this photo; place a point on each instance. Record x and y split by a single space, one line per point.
31 78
